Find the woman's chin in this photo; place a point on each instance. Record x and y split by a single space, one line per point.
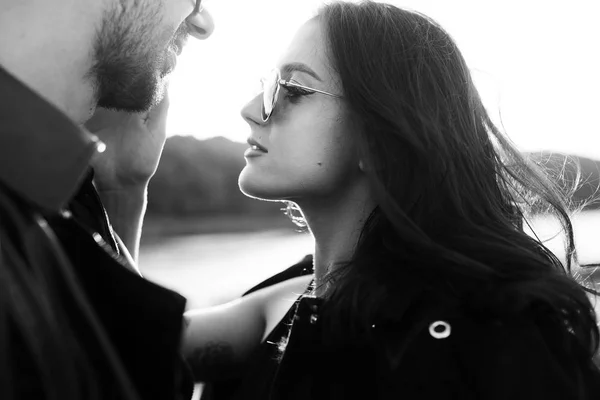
264 186
254 190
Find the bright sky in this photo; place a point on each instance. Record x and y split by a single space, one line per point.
535 61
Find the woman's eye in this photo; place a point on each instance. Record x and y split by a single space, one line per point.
293 92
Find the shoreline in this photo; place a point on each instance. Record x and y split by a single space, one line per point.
161 228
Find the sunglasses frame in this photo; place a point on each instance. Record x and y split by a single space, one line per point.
279 82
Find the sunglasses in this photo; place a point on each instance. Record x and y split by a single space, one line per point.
271 86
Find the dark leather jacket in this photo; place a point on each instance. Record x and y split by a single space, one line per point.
49 209
444 354
439 351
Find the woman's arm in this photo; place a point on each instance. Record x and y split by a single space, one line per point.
218 340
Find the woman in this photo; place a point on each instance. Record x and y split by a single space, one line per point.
425 285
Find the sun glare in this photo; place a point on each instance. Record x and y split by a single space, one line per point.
532 62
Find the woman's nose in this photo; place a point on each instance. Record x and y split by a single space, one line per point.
200 22
251 111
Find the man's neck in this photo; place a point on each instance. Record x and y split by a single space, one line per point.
52 62
71 96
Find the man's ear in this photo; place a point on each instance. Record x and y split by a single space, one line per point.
201 24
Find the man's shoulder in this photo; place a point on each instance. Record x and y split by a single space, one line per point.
135 313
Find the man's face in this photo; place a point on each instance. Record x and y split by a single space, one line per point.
135 48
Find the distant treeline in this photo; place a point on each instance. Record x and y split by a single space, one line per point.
199 177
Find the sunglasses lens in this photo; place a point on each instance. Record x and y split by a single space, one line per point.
270 91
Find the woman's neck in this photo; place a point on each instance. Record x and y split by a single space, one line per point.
336 226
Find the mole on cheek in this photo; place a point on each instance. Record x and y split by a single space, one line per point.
320 164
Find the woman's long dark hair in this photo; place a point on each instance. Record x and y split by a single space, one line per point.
452 191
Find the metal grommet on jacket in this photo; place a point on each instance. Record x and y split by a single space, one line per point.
440 329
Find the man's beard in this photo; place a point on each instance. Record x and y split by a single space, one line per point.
131 60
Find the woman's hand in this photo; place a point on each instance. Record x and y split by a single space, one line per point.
134 143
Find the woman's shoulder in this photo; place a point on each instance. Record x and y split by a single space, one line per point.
517 355
443 319
301 268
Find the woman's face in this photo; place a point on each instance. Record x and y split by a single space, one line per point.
310 151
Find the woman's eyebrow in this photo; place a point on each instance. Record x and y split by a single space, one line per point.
300 67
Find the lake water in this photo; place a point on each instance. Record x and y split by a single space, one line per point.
211 269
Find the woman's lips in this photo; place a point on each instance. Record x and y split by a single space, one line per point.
253 152
257 146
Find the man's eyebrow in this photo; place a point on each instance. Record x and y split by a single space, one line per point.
300 67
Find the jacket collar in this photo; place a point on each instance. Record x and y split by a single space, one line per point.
43 154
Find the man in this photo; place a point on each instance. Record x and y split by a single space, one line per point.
76 319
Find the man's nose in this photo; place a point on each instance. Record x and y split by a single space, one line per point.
201 23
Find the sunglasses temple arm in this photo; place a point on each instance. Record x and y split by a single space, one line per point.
308 88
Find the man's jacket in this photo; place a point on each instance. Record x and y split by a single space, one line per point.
55 232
